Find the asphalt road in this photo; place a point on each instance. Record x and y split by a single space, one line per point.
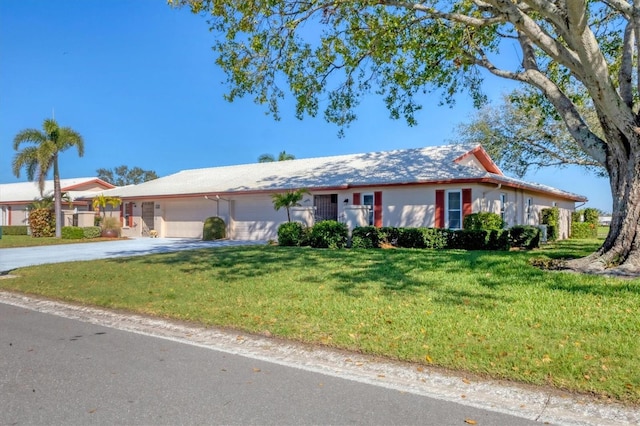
55 370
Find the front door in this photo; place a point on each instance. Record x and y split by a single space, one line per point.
147 216
326 207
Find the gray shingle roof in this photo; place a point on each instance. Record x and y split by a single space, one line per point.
419 165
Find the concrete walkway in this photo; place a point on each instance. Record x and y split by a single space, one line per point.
12 258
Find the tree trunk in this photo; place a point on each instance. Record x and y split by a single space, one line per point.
57 197
620 253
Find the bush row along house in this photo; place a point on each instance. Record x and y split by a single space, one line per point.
424 187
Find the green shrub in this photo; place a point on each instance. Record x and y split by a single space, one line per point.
483 221
42 223
479 239
292 234
72 233
329 234
411 238
388 235
365 237
550 217
498 239
15 230
582 230
214 229
524 236
92 232
576 216
591 215
435 238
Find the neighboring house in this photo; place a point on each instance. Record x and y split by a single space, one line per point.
430 187
15 198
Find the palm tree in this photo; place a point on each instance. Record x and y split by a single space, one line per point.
42 155
283 156
288 199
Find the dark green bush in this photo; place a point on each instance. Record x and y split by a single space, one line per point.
526 237
92 231
292 234
388 235
472 239
483 221
214 229
498 239
550 217
435 238
15 230
329 234
365 237
591 215
72 233
411 238
582 230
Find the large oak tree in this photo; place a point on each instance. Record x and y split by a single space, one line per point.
335 52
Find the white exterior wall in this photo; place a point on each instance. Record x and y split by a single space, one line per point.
254 218
185 218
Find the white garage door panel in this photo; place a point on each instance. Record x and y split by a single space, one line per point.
186 218
256 219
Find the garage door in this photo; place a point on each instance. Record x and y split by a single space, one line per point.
256 219
186 218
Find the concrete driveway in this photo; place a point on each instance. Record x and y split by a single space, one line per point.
12 258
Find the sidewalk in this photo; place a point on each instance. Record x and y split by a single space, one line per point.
12 258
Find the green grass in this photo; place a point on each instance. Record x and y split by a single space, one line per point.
488 313
13 241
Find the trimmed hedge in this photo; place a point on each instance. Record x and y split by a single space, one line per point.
525 237
364 237
433 238
483 221
72 233
329 234
583 230
292 234
15 230
214 229
92 232
551 218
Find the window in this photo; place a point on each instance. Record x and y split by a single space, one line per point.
454 210
367 200
529 209
503 206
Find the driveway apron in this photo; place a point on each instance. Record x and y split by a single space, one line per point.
12 258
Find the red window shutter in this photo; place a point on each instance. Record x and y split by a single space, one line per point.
9 214
130 215
377 209
356 198
439 208
122 214
466 202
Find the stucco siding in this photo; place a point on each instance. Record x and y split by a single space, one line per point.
254 218
409 207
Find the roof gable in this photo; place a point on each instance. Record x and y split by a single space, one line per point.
28 191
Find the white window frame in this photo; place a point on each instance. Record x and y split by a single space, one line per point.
448 211
370 206
503 206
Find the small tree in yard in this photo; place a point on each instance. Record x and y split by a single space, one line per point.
567 55
288 199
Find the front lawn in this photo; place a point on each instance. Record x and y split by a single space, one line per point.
489 313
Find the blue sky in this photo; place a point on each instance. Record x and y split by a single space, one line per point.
138 80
